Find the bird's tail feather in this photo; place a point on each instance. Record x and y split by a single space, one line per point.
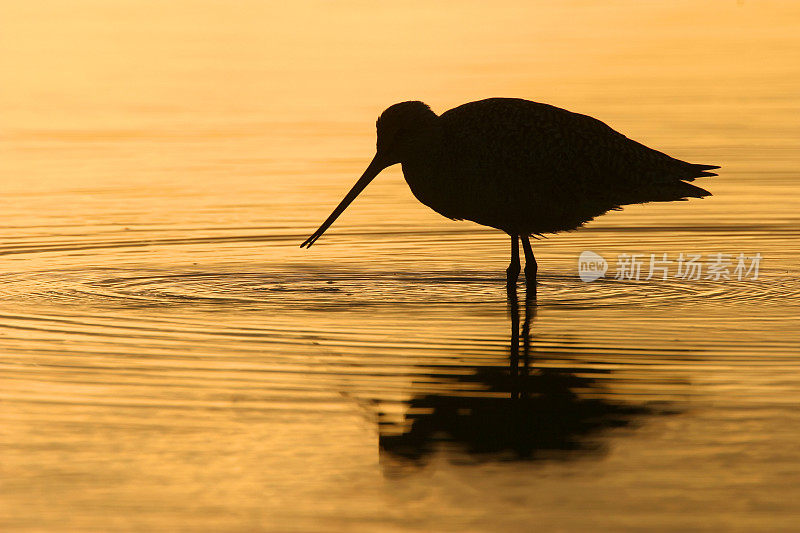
693 191
677 191
699 171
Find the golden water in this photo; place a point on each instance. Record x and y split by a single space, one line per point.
172 360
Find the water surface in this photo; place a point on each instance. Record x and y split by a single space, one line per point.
171 359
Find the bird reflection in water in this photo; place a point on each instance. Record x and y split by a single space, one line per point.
514 412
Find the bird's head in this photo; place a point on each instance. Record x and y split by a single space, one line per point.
402 128
403 131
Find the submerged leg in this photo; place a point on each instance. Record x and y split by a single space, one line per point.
512 272
530 263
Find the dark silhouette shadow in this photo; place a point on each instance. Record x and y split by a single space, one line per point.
513 412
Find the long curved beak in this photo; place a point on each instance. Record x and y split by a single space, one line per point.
374 168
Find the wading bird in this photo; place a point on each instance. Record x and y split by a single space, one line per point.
522 167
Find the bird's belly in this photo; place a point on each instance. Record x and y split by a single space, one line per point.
515 210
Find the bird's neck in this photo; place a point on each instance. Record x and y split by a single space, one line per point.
422 167
425 145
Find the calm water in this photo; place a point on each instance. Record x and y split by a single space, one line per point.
172 360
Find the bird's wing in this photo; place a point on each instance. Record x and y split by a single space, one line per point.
553 153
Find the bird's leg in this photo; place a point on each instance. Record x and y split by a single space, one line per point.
512 272
530 264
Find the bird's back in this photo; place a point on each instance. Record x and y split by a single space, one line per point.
527 167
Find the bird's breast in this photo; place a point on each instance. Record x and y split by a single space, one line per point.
431 185
454 193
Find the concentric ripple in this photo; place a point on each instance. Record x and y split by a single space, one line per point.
342 288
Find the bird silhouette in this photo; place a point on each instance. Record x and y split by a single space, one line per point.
522 167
